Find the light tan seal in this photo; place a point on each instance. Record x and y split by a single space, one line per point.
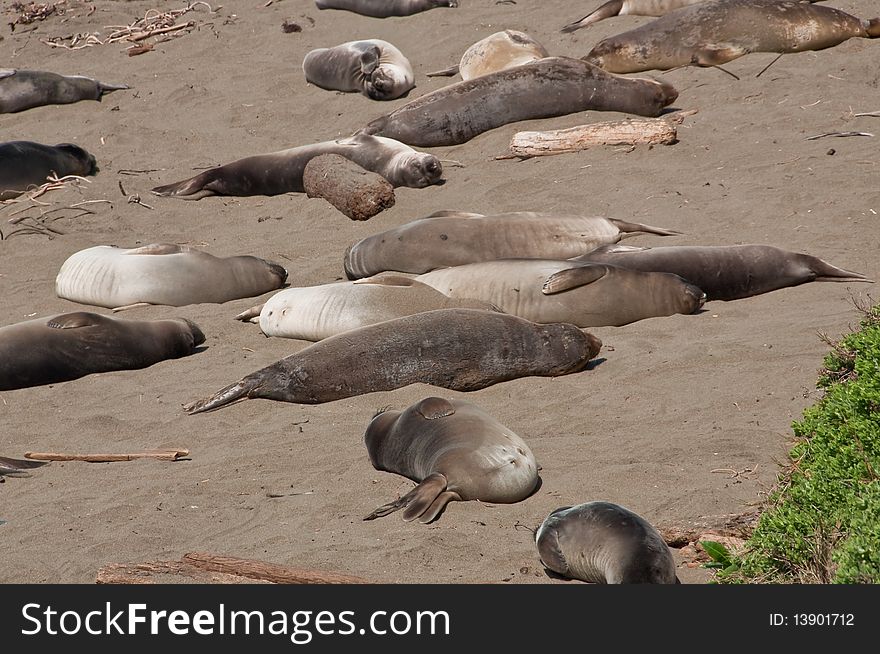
454 451
717 31
26 89
454 238
385 8
497 51
162 273
373 67
584 294
604 543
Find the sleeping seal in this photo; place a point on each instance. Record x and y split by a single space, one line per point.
25 165
26 89
385 8
496 52
372 67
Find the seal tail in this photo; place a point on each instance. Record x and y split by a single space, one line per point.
191 189
873 28
104 88
446 72
240 390
607 10
425 501
825 272
252 314
632 229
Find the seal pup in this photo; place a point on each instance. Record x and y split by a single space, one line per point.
454 238
26 89
313 313
18 467
497 51
604 543
458 349
714 32
454 451
552 86
584 294
71 345
282 172
162 273
726 272
25 165
372 67
385 8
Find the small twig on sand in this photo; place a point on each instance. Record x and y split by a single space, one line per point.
819 136
163 455
874 114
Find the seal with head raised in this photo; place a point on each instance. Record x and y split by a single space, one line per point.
458 349
717 31
496 52
454 238
26 89
162 273
726 272
604 543
373 67
454 451
282 172
385 8
552 86
584 294
25 165
71 345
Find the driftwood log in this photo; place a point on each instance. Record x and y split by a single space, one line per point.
358 193
162 455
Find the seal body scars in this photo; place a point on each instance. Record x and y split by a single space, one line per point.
728 272
26 89
25 165
553 86
162 273
454 451
454 238
372 67
385 8
604 543
547 291
282 172
717 31
458 349
71 345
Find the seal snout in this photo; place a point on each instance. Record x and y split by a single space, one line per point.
594 344
696 297
198 335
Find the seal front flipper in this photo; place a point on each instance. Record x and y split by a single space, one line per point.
417 501
633 229
159 248
607 10
570 278
451 213
446 72
715 55
73 320
434 408
370 59
252 314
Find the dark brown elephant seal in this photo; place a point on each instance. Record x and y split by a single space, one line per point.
553 86
458 349
454 451
72 345
373 67
385 8
717 31
454 238
604 543
26 89
584 294
25 165
282 172
726 272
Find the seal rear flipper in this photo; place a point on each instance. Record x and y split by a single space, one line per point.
6 72
13 467
437 506
240 390
72 320
446 72
607 10
252 314
825 272
159 248
633 229
109 88
570 278
417 501
446 213
190 189
709 55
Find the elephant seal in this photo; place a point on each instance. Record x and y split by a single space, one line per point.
726 272
72 345
458 349
604 543
552 86
313 313
454 451
630 8
717 31
282 172
25 165
584 294
454 238
385 8
26 89
372 67
497 51
162 273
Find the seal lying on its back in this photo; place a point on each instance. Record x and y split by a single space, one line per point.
313 313
553 86
25 165
604 543
454 238
717 31
162 273
496 52
372 67
454 451
587 295
282 172
385 8
458 349
26 89
72 345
